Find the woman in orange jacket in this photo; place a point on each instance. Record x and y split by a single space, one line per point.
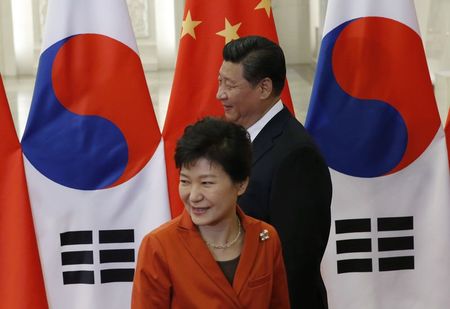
212 255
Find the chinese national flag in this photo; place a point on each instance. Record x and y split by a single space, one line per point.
21 284
207 27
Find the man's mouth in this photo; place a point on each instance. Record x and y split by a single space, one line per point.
227 107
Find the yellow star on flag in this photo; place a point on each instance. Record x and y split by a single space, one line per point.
230 31
266 5
189 25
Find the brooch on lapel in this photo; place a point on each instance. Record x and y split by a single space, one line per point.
264 235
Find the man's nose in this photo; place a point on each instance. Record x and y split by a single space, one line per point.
221 94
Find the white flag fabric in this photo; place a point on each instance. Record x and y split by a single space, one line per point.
93 153
375 118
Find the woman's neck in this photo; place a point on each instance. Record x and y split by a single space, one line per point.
225 239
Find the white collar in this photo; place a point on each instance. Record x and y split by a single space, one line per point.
261 123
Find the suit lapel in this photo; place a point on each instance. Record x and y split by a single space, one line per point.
249 252
264 141
194 244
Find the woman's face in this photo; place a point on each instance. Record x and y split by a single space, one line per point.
208 193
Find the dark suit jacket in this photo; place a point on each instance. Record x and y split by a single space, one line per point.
290 188
176 270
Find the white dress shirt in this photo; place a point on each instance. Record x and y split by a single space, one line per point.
261 123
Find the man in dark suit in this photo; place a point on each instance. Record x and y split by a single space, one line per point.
290 185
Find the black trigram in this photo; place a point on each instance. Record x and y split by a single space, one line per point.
388 226
116 256
395 243
106 256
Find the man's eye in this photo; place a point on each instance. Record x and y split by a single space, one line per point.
230 87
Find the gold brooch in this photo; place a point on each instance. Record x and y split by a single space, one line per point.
264 235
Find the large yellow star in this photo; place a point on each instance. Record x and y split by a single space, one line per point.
266 5
189 25
230 31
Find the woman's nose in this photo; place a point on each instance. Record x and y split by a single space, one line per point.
195 195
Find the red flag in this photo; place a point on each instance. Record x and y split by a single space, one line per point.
447 134
207 27
22 284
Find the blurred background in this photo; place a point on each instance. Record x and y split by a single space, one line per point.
157 25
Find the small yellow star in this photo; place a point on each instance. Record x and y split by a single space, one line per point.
189 25
266 5
230 31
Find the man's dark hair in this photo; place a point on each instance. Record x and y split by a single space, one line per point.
218 141
260 58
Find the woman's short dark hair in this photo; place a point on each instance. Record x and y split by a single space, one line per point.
260 58
219 141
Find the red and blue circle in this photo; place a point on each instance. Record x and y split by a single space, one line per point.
372 110
91 123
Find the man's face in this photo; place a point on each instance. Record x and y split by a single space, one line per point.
241 101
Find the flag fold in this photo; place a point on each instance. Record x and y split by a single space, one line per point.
22 284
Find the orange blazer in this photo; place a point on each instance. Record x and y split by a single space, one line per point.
175 269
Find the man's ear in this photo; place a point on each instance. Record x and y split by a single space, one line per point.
266 88
242 186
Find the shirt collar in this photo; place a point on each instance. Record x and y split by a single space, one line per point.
261 123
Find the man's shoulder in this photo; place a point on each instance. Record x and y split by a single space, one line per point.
292 132
295 127
281 138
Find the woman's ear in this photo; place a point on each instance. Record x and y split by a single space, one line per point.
266 88
242 186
